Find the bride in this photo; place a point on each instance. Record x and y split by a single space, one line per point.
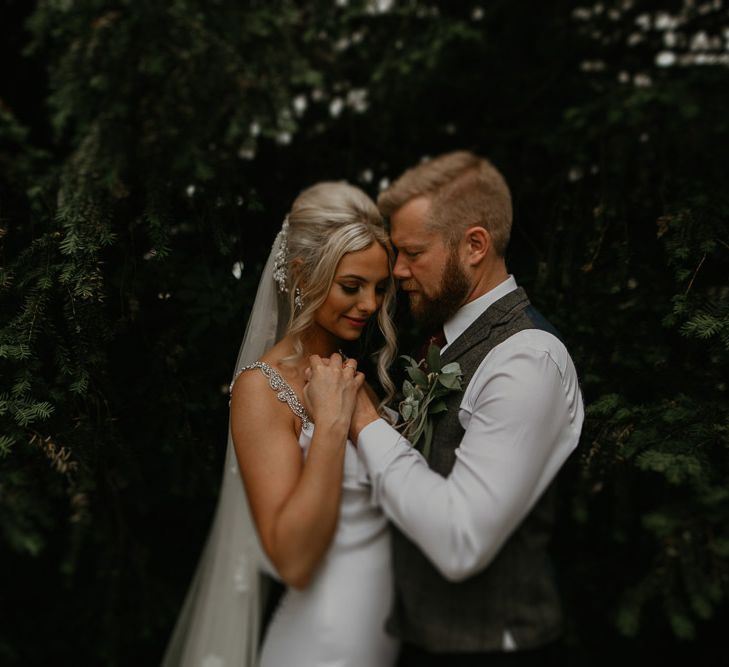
305 516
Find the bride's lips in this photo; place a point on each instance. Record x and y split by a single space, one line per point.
355 321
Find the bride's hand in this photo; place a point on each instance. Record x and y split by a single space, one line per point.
331 390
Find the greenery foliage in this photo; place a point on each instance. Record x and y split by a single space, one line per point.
424 395
151 162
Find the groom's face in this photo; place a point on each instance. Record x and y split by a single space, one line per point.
428 268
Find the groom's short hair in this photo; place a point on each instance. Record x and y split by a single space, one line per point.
464 190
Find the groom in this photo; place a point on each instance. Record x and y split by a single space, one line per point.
472 522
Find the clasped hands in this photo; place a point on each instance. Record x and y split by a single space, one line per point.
336 393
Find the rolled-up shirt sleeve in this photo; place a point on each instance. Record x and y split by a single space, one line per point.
522 414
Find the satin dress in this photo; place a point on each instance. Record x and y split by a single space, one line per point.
338 620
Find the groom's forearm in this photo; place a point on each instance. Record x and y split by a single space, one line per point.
434 512
517 436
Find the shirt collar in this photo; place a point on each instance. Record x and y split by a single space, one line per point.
466 315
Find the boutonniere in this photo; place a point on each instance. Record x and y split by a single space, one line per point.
423 394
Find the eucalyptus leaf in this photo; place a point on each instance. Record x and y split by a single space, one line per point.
433 358
417 376
452 367
450 380
438 391
409 360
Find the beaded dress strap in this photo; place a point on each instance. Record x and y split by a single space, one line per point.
284 392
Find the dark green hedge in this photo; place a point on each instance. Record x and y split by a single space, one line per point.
147 148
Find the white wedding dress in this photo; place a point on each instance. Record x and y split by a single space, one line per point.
338 620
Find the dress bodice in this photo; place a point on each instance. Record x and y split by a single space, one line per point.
359 519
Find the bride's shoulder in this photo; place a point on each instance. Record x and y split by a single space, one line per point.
267 373
252 399
262 398
253 378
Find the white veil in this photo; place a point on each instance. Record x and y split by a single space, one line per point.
219 623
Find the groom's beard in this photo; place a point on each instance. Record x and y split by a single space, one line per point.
432 312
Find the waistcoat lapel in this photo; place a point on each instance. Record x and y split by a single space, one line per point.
497 313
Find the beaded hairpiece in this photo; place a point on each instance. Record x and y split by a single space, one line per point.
280 260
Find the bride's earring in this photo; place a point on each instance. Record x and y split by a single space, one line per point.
298 299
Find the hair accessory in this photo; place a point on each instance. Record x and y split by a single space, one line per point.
298 299
280 260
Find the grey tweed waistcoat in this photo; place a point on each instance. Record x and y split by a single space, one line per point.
516 591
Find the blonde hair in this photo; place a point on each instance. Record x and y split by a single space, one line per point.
327 221
464 190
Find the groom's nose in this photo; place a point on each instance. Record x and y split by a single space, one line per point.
401 270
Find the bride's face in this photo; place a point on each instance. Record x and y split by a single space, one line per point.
356 294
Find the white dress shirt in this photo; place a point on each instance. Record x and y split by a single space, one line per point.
522 413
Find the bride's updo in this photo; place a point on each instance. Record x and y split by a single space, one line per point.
327 221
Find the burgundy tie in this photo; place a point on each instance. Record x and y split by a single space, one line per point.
438 339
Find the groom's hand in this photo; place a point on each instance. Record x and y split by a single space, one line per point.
365 412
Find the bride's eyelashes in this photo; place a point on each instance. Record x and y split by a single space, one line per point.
353 289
